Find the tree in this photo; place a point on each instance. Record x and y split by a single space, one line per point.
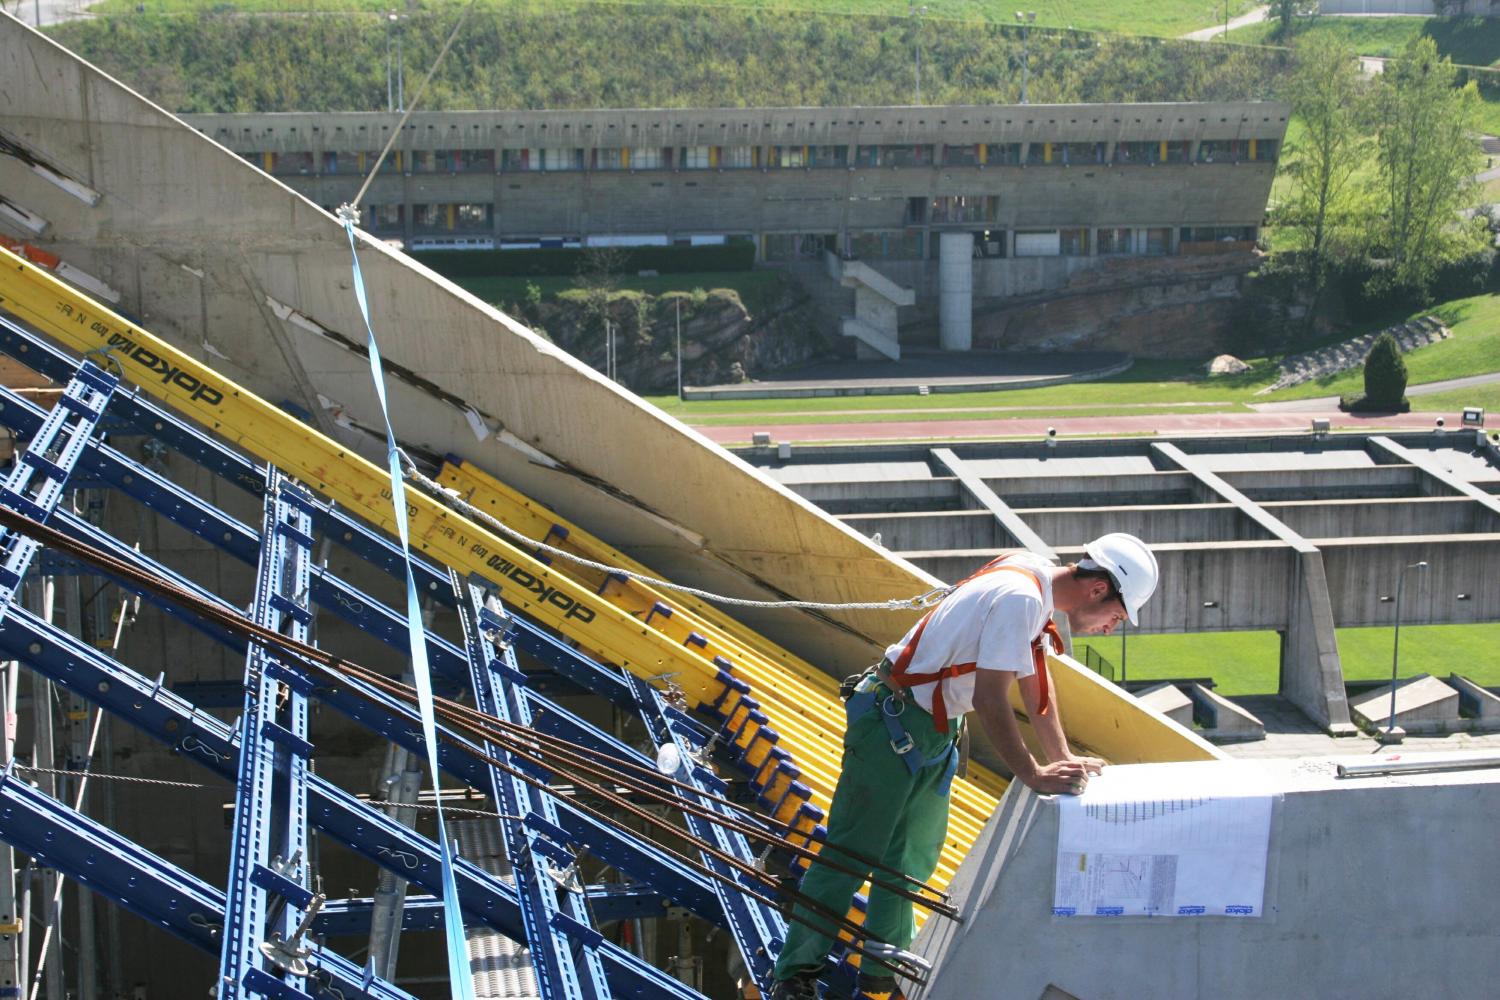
1329 99
1427 160
1286 11
1385 374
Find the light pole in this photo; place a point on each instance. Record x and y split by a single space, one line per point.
1390 723
1025 18
390 92
679 347
915 12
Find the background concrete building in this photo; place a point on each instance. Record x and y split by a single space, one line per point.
1015 199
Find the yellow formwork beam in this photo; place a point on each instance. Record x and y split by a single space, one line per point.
360 486
799 701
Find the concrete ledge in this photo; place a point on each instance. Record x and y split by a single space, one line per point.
1424 704
896 386
1479 705
1222 720
1169 700
1324 907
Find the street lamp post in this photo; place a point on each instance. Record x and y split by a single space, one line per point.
679 346
1025 18
1390 723
390 91
915 12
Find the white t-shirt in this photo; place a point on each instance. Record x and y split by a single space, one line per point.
990 622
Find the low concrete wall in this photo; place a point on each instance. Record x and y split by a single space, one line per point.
1361 901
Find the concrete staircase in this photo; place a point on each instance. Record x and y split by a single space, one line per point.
1347 354
876 299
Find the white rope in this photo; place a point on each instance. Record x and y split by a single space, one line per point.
452 498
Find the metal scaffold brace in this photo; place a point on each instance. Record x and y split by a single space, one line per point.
673 833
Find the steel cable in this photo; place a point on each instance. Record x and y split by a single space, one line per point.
342 670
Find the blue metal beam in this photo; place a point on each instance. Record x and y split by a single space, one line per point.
607 902
539 864
37 478
758 929
268 844
148 885
368 832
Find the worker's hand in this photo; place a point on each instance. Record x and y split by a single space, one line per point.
1066 777
1093 765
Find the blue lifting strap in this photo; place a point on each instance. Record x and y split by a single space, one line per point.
865 702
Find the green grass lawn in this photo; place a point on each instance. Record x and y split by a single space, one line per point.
1473 349
1486 396
1468 41
1171 386
1135 17
1243 663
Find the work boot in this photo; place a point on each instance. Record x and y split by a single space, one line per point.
800 987
878 988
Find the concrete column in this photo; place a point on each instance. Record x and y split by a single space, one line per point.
1312 676
956 291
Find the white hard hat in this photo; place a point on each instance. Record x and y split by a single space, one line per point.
1129 563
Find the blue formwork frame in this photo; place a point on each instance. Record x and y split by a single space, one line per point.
758 929
254 924
542 866
268 845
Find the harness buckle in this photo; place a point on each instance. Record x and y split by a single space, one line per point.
904 745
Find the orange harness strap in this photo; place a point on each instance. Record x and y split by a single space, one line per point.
902 677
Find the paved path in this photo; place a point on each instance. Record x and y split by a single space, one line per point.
1157 423
1207 34
50 11
1332 402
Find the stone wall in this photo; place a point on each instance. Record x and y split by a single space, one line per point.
1168 307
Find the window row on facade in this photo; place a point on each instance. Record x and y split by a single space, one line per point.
772 157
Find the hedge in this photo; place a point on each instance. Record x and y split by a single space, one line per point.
569 260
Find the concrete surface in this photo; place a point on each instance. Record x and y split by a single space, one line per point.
1169 700
208 249
1424 704
1362 901
1231 723
976 371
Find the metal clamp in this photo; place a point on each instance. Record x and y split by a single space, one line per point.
566 878
291 954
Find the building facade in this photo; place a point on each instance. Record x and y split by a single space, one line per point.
879 183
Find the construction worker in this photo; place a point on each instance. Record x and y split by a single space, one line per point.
905 716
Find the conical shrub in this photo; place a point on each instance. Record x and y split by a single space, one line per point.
1385 373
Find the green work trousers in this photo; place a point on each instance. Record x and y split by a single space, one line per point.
880 810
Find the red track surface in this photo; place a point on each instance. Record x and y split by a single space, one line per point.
1156 423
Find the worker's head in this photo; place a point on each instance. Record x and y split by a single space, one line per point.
1117 575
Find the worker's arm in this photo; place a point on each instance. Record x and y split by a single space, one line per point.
992 705
1049 728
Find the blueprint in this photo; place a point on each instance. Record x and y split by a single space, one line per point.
1165 840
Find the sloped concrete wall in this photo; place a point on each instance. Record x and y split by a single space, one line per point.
206 248
1376 888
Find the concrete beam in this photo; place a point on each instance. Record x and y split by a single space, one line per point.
1312 677
1431 470
980 492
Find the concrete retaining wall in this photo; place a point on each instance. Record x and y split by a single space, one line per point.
1362 901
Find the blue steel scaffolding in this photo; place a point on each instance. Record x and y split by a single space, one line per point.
268 921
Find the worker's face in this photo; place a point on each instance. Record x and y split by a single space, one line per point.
1101 614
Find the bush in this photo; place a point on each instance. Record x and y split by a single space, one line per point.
1385 374
560 260
1360 403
